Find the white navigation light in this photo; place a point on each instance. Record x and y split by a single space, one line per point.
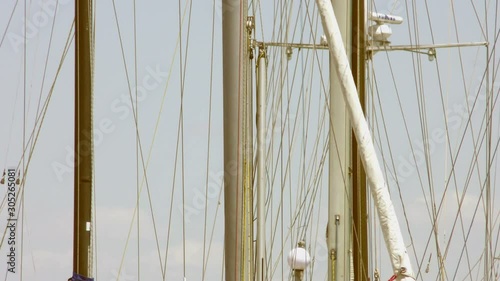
299 258
383 18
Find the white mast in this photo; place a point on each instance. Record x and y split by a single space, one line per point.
339 192
235 50
261 172
387 216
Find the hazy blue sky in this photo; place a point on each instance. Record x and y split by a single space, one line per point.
49 188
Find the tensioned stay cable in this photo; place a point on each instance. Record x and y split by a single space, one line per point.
137 171
36 130
182 75
205 255
8 23
23 181
148 161
143 164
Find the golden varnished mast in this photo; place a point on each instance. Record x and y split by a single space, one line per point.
359 189
83 140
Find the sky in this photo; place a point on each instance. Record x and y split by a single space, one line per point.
47 224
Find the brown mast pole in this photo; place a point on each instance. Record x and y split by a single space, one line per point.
359 188
83 139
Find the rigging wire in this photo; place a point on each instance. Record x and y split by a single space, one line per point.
181 120
8 23
34 134
36 130
284 126
148 161
417 168
145 178
137 165
21 207
205 258
488 119
395 175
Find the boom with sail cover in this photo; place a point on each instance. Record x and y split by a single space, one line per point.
387 216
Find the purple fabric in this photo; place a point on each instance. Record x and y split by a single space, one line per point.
78 277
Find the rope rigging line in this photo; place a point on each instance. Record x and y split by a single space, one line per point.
403 115
45 66
423 114
181 120
464 192
476 163
475 151
21 207
175 160
409 141
205 256
8 23
36 130
137 164
405 214
38 116
475 212
424 125
134 113
143 164
300 206
288 161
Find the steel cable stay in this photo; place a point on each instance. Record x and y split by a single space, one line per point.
467 107
469 175
35 132
145 165
392 167
205 254
426 134
470 169
39 120
138 138
306 136
475 163
182 72
287 161
475 213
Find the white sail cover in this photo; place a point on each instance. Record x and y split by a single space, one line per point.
387 216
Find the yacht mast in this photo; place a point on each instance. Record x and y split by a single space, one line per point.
339 195
260 274
236 162
359 196
83 142
387 216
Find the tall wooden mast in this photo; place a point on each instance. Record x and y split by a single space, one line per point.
359 189
83 139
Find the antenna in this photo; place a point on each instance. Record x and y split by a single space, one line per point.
380 31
